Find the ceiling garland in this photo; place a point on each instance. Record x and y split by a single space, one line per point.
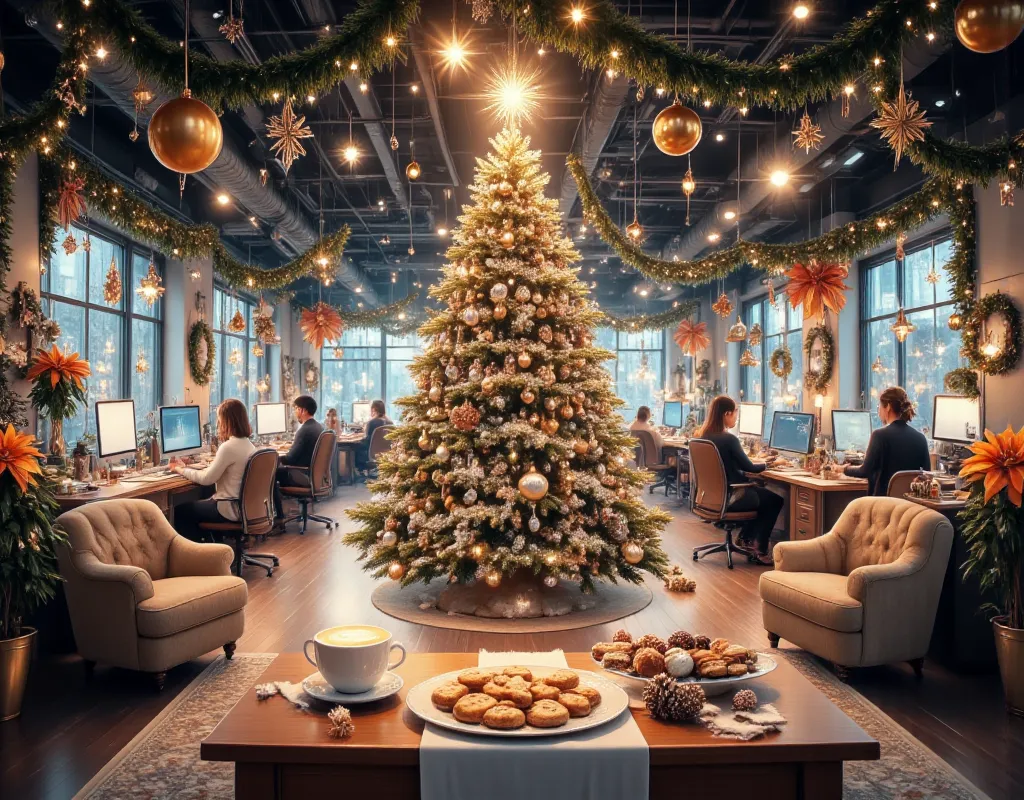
651 322
394 318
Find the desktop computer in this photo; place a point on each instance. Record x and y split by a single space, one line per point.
181 432
115 428
793 432
851 430
360 413
672 414
751 419
271 418
955 419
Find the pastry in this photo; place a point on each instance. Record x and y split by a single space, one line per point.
620 661
682 639
713 668
592 695
735 653
650 640
622 635
735 670
678 663
648 662
475 679
518 672
504 718
547 714
501 680
719 645
701 655
599 650
703 642
472 708
564 679
541 691
577 704
448 694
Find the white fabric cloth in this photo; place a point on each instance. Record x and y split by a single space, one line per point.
605 763
226 472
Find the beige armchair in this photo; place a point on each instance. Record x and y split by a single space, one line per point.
865 593
141 596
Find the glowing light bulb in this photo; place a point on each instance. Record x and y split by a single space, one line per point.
801 11
223 199
719 137
442 231
577 14
351 153
512 94
779 177
101 52
391 41
730 214
454 54
848 89
364 87
714 237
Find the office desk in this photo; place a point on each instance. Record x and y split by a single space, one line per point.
681 448
814 503
160 492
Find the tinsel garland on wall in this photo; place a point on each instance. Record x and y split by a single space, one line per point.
394 318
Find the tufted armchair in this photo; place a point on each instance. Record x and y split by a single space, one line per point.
865 593
141 596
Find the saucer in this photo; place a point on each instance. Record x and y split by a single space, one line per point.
319 689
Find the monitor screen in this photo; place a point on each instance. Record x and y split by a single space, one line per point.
271 418
851 429
180 429
115 428
956 419
751 419
672 416
360 412
792 431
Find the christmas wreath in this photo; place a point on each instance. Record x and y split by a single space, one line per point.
1009 353
817 381
201 371
962 381
781 362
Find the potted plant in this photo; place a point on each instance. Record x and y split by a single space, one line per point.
28 560
57 390
994 532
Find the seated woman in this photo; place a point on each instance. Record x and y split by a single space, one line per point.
225 472
331 421
895 447
378 417
721 416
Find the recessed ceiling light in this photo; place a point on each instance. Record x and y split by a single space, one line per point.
801 11
940 103
853 158
779 177
719 137
730 214
223 199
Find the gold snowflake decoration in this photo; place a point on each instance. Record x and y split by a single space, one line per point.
288 129
901 123
722 306
808 135
232 29
69 244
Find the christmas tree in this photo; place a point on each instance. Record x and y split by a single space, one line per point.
511 459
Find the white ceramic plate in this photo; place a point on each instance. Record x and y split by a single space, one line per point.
316 687
613 702
713 686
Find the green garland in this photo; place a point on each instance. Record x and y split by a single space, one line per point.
652 322
817 381
781 362
200 332
392 318
1009 354
962 381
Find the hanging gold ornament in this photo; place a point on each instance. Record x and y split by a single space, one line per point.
771 295
533 486
756 335
738 332
185 134
413 171
232 29
901 123
87 244
237 322
677 130
1006 194
394 142
142 96
288 130
257 351
848 93
902 327
689 186
141 364
465 417
722 306
955 321
932 277
150 289
632 552
808 135
635 231
263 324
748 359
396 571
112 286
901 240
986 26
71 202
817 287
69 244
338 353
320 324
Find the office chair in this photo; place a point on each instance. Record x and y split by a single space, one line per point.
709 500
255 509
652 463
321 482
899 483
378 444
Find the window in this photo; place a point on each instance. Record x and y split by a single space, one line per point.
354 372
398 381
930 351
236 368
780 324
122 344
639 368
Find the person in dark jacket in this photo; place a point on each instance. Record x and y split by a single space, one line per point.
895 447
300 454
378 418
721 417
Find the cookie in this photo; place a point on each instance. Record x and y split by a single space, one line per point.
448 694
472 708
702 641
620 661
648 662
547 714
516 693
699 656
622 635
719 645
518 672
501 680
577 704
541 691
592 695
475 679
504 718
564 679
713 668
601 649
652 641
736 669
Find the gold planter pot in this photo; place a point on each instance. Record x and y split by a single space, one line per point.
15 657
1010 652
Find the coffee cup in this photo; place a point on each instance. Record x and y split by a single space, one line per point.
352 658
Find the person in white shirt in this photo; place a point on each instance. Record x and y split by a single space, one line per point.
225 472
643 423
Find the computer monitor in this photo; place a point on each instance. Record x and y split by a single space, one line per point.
360 413
792 431
181 432
751 419
115 428
672 415
851 429
271 418
955 419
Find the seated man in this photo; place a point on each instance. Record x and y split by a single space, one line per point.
378 417
301 452
643 423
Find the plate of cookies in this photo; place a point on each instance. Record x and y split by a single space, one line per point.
518 701
716 664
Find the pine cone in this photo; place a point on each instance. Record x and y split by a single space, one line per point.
703 642
744 700
682 639
670 701
650 640
342 725
680 583
622 635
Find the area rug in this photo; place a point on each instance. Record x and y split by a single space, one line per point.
416 603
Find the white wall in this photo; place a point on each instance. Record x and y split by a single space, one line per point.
24 244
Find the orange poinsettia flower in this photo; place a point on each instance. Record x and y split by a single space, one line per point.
60 366
818 286
1000 462
320 324
692 337
19 457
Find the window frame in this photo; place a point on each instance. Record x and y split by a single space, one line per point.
788 329
247 338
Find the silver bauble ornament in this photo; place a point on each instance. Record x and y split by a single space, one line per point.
499 292
471 316
551 581
389 538
632 552
442 452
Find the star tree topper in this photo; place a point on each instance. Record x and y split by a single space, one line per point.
288 129
808 135
901 123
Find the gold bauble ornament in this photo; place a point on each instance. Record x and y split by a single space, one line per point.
508 240
185 134
434 394
524 360
527 396
424 441
632 552
389 539
523 294
580 447
449 501
500 310
493 579
413 171
550 404
549 426
677 130
471 317
533 486
985 26
396 571
487 385
567 412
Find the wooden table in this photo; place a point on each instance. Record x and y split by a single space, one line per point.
280 752
162 492
346 456
814 503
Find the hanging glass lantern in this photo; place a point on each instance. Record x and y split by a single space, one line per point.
877 366
738 332
150 289
902 327
748 359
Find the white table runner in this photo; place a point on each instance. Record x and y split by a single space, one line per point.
605 763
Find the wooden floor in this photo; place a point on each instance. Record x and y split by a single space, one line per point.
68 729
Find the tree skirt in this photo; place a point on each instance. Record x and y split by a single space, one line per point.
565 607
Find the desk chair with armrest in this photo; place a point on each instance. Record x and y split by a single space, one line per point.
255 510
320 483
709 500
378 444
663 471
899 483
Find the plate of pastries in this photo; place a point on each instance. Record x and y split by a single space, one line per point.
716 664
518 701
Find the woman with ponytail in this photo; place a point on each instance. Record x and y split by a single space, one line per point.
894 448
